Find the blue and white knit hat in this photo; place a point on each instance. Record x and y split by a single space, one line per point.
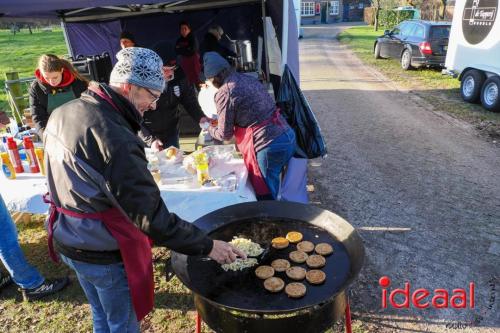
139 66
213 64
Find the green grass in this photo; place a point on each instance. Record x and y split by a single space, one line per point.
20 52
68 311
441 91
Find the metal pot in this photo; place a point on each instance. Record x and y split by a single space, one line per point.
243 50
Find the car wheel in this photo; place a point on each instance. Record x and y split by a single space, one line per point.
470 87
490 94
376 51
406 60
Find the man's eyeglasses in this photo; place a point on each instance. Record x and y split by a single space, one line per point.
156 98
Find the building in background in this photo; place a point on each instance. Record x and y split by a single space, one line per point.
322 12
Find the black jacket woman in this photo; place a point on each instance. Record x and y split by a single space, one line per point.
57 82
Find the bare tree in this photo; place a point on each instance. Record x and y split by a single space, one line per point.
376 6
442 9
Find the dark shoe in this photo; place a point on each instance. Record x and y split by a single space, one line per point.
5 281
49 287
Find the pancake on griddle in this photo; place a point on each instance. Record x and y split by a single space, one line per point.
324 249
305 246
295 290
264 272
316 261
294 237
274 284
315 276
296 273
280 265
280 243
298 256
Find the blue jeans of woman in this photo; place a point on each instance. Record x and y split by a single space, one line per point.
273 158
107 291
23 274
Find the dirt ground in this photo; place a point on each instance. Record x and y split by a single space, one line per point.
422 189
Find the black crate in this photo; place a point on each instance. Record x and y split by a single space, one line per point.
95 67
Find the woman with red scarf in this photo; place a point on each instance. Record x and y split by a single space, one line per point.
57 82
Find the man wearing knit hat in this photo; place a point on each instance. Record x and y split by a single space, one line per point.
105 205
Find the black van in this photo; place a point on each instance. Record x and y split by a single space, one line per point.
416 43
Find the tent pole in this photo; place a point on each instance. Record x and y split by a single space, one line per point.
66 39
284 35
266 55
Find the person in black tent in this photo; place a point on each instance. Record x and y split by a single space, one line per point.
160 128
127 39
211 43
187 49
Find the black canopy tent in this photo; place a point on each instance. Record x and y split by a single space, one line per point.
93 26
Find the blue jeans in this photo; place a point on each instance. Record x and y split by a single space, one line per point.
106 288
273 158
23 274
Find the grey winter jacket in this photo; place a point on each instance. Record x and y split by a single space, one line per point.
91 149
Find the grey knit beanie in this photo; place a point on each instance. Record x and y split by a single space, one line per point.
139 66
213 64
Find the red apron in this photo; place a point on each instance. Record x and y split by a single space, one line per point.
244 141
191 67
135 247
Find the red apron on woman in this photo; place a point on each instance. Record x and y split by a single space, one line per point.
192 68
244 141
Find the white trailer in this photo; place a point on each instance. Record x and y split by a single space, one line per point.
474 51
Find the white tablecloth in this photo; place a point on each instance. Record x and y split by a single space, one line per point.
24 194
191 203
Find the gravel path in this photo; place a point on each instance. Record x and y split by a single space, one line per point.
421 187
